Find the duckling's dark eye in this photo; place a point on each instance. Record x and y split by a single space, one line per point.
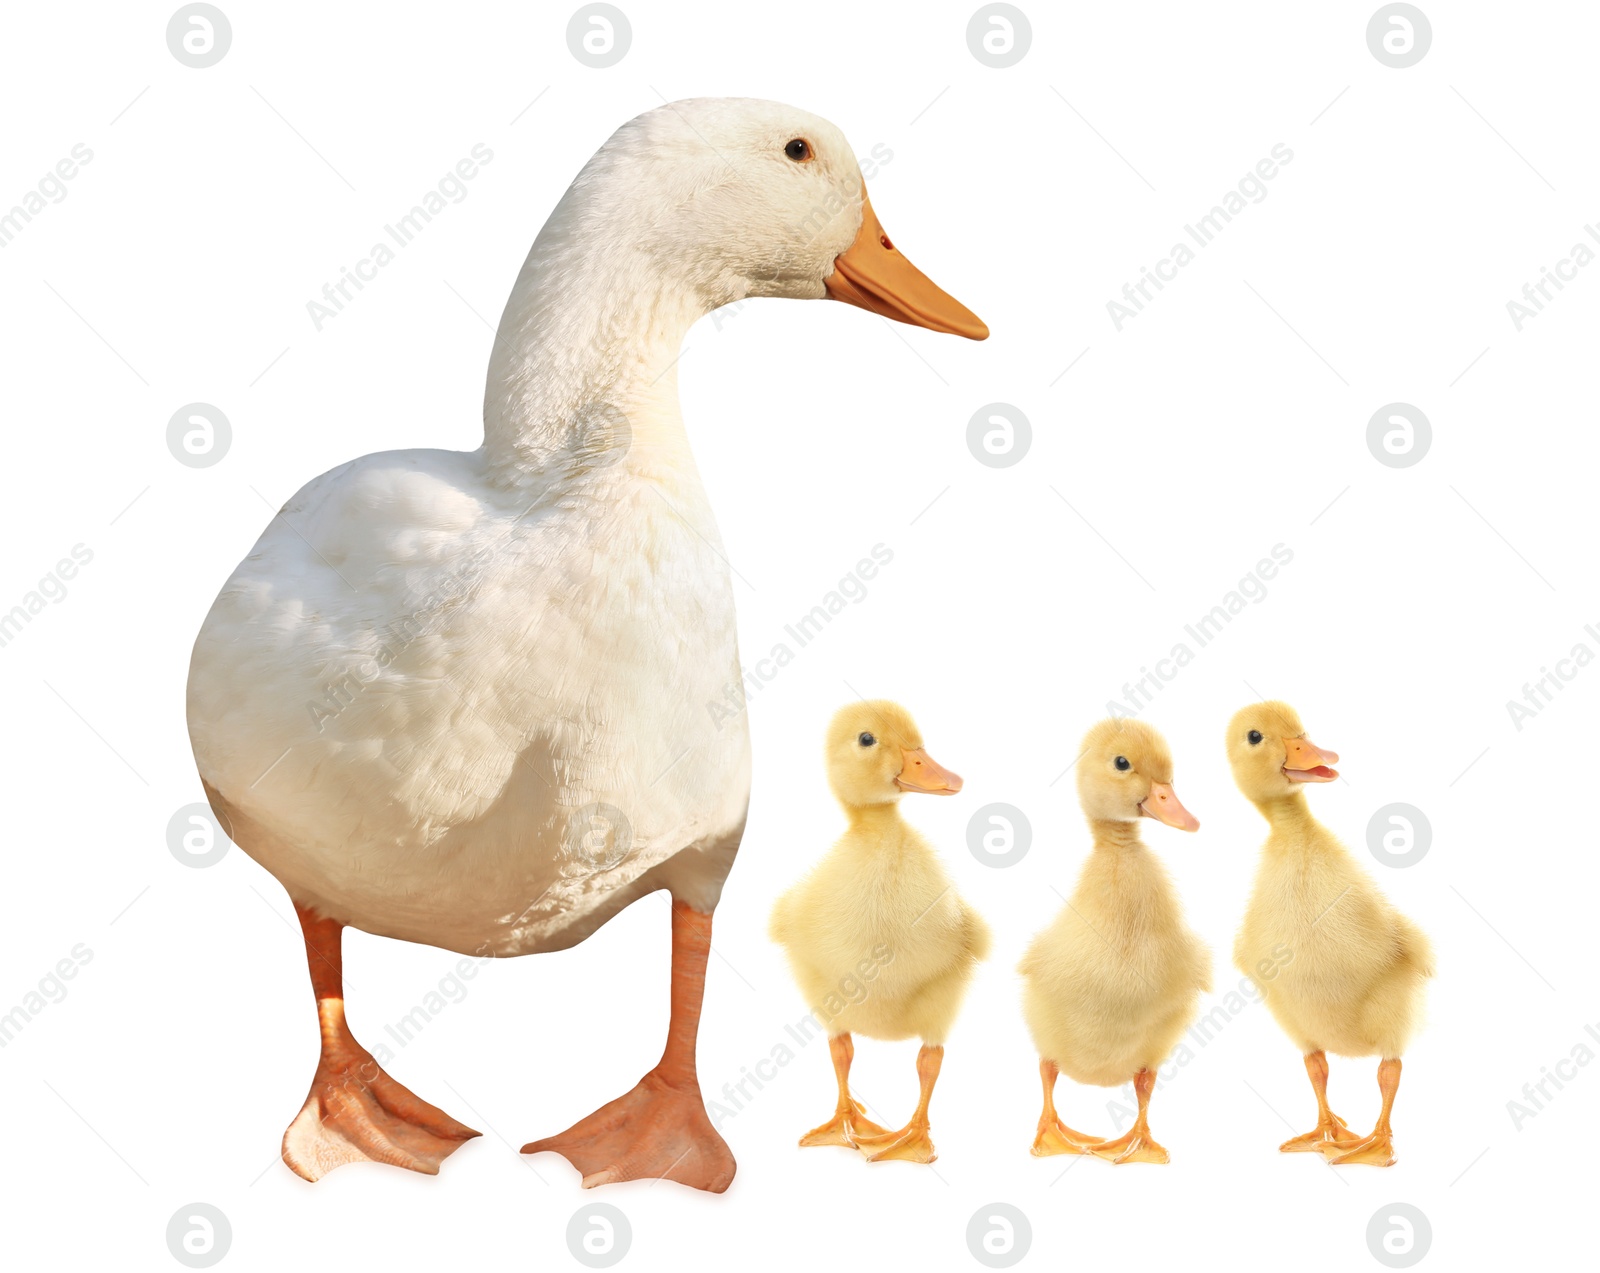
799 150
1254 736
1121 762
866 740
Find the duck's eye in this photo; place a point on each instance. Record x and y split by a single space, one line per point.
866 740
798 150
1254 736
1121 762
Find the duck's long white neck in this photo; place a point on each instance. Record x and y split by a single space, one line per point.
590 337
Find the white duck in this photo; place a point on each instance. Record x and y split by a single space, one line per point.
462 698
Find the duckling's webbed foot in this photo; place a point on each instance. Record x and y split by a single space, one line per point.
849 1122
848 1127
1331 1131
1054 1136
659 1130
912 1142
1137 1144
1376 1150
355 1112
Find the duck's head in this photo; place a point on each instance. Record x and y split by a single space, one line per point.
736 197
1125 773
1271 756
875 754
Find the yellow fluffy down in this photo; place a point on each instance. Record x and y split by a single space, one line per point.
878 939
1113 982
1356 971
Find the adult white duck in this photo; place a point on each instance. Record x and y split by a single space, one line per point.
463 698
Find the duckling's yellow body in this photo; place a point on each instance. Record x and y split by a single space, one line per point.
1111 985
879 941
878 925
1113 982
1356 968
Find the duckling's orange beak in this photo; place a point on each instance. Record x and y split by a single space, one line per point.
871 273
921 772
1307 762
1163 805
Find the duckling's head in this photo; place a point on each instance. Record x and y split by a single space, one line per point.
875 754
736 197
1271 756
1125 773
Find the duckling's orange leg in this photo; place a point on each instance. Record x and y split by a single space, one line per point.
1376 1150
660 1129
356 1112
849 1121
911 1143
1331 1130
1136 1145
1054 1136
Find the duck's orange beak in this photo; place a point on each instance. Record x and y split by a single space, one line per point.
1163 805
1307 762
921 772
871 273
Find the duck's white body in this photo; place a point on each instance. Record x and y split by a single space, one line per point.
410 694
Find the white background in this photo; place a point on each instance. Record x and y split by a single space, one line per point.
1173 455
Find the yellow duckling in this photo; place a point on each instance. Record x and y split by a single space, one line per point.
1113 983
879 909
1355 978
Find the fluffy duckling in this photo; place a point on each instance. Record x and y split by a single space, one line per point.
1355 980
1113 983
879 909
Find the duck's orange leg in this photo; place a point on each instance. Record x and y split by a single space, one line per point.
355 1112
849 1122
912 1142
1331 1130
660 1129
1054 1136
1137 1144
1376 1150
